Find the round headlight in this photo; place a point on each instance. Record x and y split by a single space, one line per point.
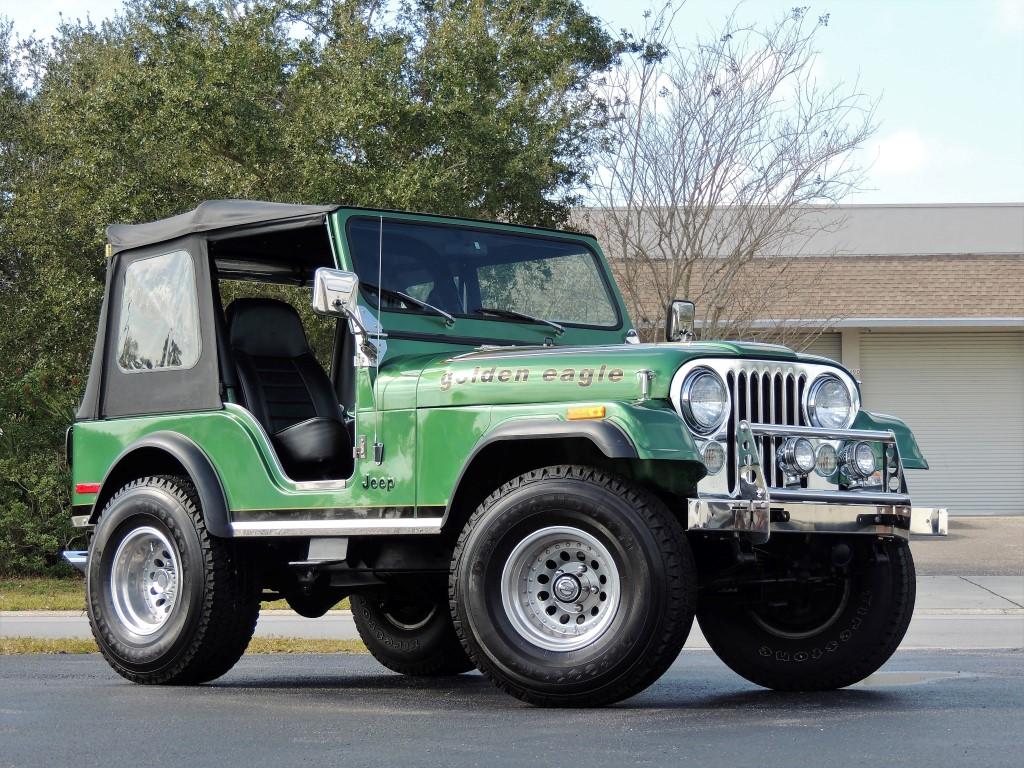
828 403
828 460
859 459
705 401
714 457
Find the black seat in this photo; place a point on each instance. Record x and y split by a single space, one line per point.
287 391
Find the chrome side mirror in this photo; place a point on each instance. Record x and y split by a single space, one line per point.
679 321
335 292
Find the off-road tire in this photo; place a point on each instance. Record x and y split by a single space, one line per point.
427 647
650 551
862 637
209 630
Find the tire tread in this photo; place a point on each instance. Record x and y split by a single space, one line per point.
679 568
227 615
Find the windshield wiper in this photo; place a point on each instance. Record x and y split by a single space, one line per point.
449 320
510 314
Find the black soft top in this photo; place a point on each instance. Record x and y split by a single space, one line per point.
208 216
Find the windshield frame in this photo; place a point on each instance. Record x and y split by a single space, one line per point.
509 230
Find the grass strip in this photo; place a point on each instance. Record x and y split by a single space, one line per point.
12 646
42 594
49 594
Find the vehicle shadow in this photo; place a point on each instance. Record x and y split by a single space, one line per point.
468 683
473 690
665 697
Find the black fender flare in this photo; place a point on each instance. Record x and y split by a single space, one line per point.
194 461
607 437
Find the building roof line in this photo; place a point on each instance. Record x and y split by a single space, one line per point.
892 322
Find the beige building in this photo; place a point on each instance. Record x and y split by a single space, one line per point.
925 305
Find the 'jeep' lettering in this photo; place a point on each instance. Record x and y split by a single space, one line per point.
583 377
378 483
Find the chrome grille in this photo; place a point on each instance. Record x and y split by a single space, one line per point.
760 392
765 394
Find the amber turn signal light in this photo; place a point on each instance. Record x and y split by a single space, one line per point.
586 412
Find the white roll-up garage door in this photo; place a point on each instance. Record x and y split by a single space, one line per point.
828 345
963 395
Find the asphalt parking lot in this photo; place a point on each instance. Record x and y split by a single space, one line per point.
924 708
952 695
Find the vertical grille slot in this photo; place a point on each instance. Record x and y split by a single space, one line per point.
732 384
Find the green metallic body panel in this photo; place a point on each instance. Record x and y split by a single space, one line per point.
910 451
449 437
565 374
243 458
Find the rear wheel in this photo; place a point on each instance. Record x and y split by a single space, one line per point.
168 603
572 587
409 633
813 625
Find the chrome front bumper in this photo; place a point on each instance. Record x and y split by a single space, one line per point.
758 510
762 518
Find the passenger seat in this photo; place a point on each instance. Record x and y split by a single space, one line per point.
287 391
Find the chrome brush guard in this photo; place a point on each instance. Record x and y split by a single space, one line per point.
756 510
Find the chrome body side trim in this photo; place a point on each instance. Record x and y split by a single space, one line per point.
374 527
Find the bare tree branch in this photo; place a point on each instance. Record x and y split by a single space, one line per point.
718 154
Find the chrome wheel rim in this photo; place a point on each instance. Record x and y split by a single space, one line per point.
812 628
405 621
144 580
560 588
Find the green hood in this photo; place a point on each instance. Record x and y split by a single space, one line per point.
554 374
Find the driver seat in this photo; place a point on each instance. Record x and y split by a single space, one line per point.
287 391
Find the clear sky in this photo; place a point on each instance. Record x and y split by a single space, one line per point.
950 74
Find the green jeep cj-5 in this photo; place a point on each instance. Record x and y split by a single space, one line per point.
493 470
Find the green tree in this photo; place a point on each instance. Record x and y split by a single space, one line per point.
468 107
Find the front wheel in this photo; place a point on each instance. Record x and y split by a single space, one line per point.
572 587
168 603
810 625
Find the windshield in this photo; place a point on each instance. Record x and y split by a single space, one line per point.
480 273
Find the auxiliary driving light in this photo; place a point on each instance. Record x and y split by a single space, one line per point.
796 456
714 457
859 459
828 460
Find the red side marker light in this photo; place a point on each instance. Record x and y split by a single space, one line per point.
87 488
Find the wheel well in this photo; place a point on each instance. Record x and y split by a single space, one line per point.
164 453
497 463
141 462
500 461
